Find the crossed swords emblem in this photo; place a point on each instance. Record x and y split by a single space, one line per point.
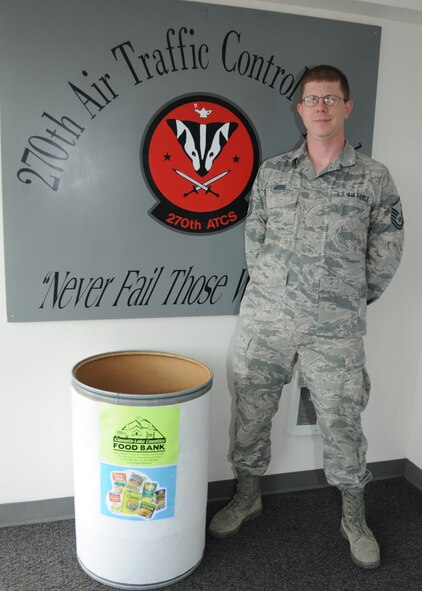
197 185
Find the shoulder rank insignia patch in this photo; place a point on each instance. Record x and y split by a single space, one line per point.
397 215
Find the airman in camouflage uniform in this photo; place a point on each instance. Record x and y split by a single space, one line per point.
321 243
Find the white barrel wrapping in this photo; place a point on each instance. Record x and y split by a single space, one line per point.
119 542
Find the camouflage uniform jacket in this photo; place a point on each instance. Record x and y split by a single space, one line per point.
319 247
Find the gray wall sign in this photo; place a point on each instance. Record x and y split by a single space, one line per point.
131 133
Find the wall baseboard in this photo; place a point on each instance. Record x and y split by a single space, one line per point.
311 479
36 511
31 512
413 474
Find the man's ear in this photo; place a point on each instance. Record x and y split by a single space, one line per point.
349 108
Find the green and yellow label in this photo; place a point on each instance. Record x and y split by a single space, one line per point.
139 436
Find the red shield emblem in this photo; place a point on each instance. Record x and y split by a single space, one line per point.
199 156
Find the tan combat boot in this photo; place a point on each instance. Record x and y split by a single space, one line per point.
364 549
245 505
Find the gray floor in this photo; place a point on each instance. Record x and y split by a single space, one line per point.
294 546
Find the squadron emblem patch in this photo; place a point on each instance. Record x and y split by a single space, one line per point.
199 156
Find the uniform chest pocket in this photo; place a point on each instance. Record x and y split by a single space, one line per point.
282 203
348 227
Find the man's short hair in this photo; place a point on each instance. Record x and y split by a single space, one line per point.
326 73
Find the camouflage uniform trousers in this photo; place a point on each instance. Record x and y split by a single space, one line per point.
336 377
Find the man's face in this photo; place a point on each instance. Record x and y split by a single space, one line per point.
324 123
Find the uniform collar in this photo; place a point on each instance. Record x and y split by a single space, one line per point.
346 158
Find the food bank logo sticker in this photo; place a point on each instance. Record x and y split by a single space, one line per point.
139 451
140 436
200 156
131 439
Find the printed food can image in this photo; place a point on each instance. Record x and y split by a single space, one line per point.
140 462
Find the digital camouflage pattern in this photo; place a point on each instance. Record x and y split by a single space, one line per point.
335 373
319 248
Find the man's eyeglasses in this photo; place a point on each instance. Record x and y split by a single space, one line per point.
331 100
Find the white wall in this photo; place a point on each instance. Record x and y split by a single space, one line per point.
36 358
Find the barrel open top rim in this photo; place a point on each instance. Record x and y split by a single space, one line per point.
125 377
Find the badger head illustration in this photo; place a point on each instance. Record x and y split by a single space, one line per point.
202 142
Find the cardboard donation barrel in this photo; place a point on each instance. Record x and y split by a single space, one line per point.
140 445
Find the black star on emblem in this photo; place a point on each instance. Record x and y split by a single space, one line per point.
167 156
236 159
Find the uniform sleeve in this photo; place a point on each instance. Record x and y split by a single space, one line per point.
385 239
256 221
